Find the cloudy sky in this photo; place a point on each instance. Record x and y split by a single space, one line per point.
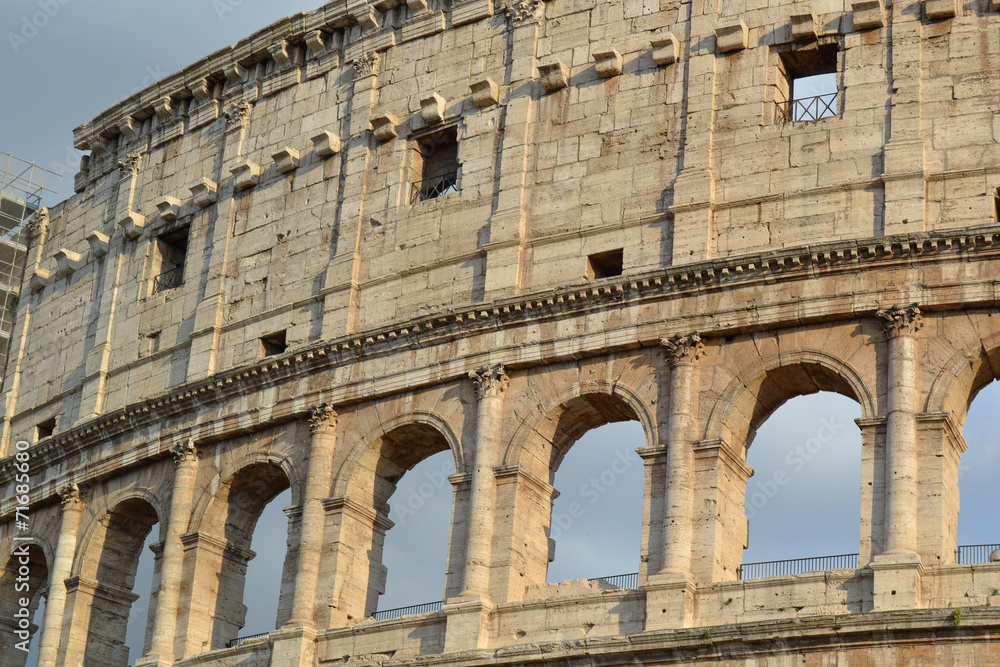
65 61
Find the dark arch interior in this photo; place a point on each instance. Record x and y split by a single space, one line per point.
398 451
577 416
37 579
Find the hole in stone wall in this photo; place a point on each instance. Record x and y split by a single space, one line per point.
434 165
807 83
45 429
169 255
273 344
605 264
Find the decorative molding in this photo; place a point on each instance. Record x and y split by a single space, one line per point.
490 381
683 349
900 320
131 163
69 496
238 113
185 453
366 65
322 417
520 12
38 221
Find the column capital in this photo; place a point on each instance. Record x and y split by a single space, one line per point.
900 320
184 453
490 381
322 418
683 349
70 495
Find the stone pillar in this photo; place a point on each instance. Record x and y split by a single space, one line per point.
491 384
161 649
62 568
323 426
897 570
672 588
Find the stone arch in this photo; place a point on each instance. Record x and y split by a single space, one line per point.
103 597
962 377
98 508
592 398
223 526
739 410
21 558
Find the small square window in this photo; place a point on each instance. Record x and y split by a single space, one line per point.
434 165
45 429
152 343
273 344
605 264
169 255
807 84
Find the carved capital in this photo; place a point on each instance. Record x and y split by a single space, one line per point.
366 65
322 418
900 320
523 11
683 349
130 164
38 221
490 381
238 113
70 496
185 453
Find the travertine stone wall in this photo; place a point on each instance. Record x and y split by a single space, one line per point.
330 330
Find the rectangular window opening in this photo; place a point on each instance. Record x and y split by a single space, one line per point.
45 429
605 264
996 204
273 344
807 86
435 165
152 343
170 253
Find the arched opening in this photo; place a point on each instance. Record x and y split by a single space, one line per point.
25 577
415 553
138 634
265 571
243 501
360 558
978 535
597 517
122 534
803 501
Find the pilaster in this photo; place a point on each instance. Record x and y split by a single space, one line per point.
62 568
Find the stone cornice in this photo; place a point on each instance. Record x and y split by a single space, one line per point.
793 264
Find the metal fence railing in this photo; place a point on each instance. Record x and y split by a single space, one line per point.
387 614
808 108
168 279
623 581
243 640
433 187
781 568
972 554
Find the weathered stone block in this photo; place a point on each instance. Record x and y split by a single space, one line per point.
608 61
731 35
205 192
325 144
485 92
554 74
286 160
941 9
432 109
384 127
805 27
169 208
666 48
247 174
868 14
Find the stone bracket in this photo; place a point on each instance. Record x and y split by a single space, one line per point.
132 225
485 92
432 109
384 127
732 35
246 174
666 48
326 144
169 208
205 192
609 61
286 160
99 244
868 14
805 27
554 74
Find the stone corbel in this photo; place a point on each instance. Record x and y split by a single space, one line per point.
169 208
132 225
200 89
205 192
485 92
326 144
317 41
286 160
608 61
68 262
666 48
235 73
40 279
384 127
279 53
164 108
732 35
417 6
432 109
554 74
99 243
805 27
82 177
363 13
246 174
128 128
868 14
940 9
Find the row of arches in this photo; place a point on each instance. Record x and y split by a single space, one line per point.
222 538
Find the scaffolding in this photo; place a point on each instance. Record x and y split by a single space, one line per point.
21 190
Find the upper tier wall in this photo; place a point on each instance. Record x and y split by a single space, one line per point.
581 128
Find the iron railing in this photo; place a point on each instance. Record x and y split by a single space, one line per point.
433 187
168 279
808 108
972 554
623 581
387 614
781 568
243 640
